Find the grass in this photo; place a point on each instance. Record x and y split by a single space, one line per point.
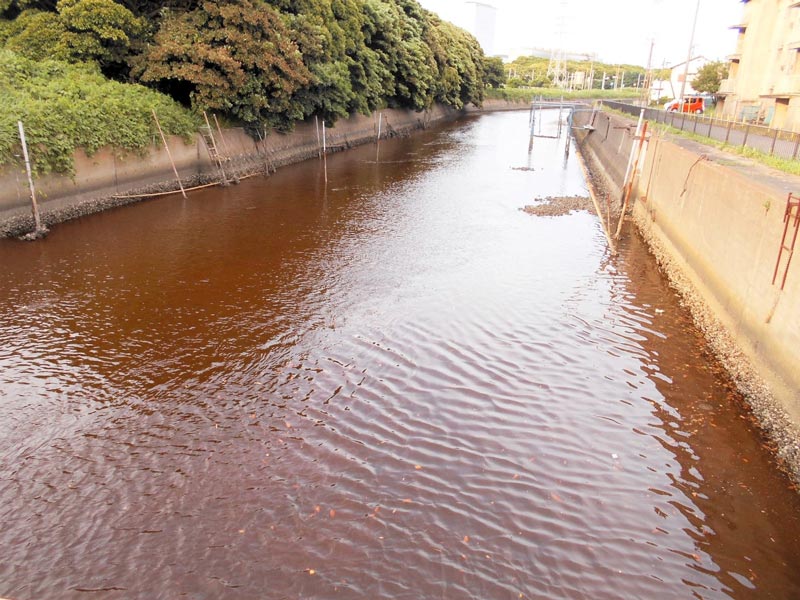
529 94
785 165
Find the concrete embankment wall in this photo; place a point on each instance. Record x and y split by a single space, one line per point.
100 177
108 173
718 221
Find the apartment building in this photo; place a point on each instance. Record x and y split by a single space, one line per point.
763 83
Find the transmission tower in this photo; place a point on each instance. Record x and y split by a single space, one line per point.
557 67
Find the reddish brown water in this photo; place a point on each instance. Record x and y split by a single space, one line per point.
398 386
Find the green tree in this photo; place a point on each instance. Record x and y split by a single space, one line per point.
235 57
709 77
495 71
330 36
459 75
101 31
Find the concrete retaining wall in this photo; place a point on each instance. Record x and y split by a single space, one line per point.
721 222
109 173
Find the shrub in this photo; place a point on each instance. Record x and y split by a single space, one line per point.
69 106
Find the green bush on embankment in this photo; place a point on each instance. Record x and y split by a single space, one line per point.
530 94
69 106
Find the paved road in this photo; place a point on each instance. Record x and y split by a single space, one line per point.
758 137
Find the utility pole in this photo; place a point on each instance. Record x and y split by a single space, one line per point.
648 77
689 55
557 67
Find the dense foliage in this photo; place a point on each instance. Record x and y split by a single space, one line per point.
65 107
215 58
260 61
265 62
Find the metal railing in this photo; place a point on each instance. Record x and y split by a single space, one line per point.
774 142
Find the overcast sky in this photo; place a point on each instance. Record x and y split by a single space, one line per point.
617 31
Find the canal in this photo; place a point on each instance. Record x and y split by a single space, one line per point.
394 385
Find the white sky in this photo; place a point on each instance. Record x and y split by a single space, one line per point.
617 31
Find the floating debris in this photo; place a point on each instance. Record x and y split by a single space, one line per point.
557 206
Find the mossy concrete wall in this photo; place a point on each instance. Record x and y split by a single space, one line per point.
721 221
108 173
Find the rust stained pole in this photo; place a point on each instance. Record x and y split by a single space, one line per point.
169 154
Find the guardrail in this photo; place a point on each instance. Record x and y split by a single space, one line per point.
775 142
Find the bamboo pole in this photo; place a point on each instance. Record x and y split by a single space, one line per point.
629 183
268 153
225 147
325 151
221 137
169 154
38 229
532 132
264 146
633 146
319 145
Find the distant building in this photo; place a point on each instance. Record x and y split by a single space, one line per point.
672 86
763 81
677 74
482 19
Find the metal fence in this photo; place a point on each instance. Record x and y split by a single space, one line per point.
775 142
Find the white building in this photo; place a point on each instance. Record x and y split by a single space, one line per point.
482 20
672 87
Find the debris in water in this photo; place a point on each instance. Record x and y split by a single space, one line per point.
557 206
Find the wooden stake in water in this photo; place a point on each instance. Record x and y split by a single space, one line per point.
319 145
325 151
169 154
533 130
34 206
213 150
378 140
263 141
